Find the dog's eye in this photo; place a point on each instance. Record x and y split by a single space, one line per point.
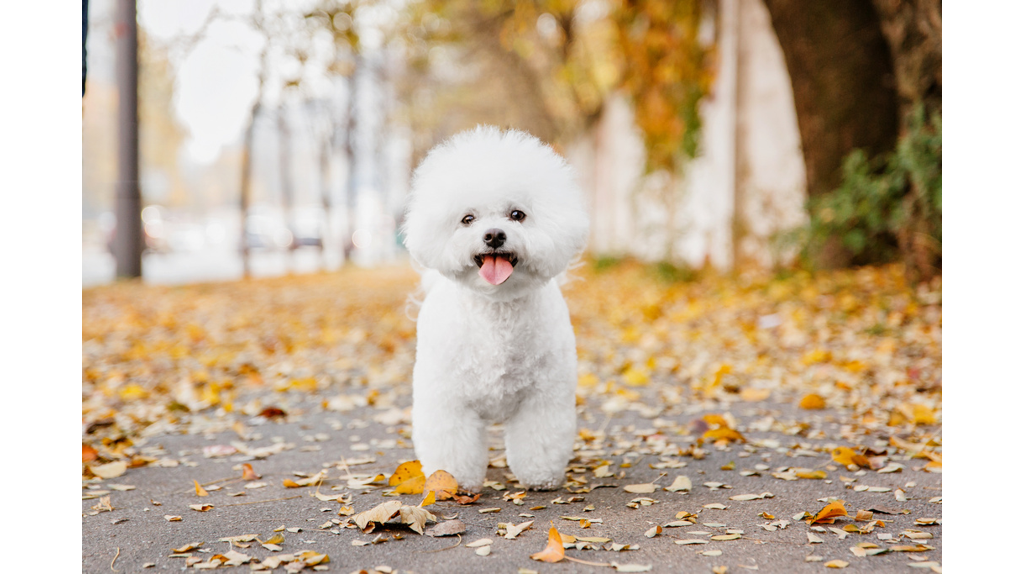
517 215
467 219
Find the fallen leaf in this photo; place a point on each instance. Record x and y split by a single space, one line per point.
200 507
830 510
446 528
812 402
722 434
379 514
110 470
553 552
646 488
654 531
172 518
248 473
512 531
428 499
89 453
479 543
483 551
692 541
847 456
465 499
836 564
442 483
680 483
406 471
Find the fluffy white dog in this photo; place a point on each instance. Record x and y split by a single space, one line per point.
495 217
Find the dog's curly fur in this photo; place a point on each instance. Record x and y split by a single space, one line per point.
493 347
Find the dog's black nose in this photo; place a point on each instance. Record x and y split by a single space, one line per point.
494 238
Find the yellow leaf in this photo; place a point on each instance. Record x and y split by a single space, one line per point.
723 433
554 551
406 471
428 499
812 402
847 456
442 483
289 483
412 486
200 491
812 474
831 510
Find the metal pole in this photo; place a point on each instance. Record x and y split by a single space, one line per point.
128 241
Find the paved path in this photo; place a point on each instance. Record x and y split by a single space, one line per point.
318 439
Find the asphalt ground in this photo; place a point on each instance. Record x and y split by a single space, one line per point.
135 536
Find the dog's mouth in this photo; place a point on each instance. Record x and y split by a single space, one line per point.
496 267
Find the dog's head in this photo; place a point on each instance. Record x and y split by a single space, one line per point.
497 211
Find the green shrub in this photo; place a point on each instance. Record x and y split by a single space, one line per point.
887 208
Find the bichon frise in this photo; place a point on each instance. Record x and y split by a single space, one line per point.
495 217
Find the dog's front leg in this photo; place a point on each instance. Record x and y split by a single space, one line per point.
539 437
452 438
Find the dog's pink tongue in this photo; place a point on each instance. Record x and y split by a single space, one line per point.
495 270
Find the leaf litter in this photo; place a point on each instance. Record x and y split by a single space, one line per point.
891 389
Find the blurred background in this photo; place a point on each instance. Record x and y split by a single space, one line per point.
279 136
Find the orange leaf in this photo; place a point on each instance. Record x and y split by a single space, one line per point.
554 551
248 473
831 510
406 471
846 456
200 491
442 483
89 454
812 402
289 483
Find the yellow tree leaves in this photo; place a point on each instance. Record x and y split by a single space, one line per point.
554 551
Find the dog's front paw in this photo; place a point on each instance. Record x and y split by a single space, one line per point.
553 484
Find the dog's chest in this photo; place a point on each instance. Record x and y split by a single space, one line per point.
503 362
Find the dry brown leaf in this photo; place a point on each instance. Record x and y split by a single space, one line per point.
646 488
680 483
110 470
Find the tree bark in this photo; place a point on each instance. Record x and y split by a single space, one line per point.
841 69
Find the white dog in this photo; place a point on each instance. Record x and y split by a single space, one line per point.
495 216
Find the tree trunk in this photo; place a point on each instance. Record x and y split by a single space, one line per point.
128 239
246 186
351 140
841 69
284 156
